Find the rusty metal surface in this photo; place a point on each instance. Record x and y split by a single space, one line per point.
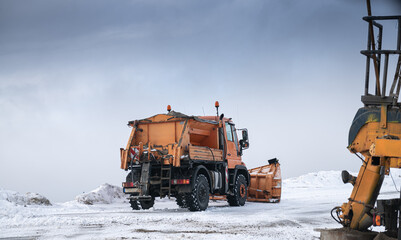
346 234
381 95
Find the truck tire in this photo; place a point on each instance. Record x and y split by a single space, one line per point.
181 200
240 192
134 204
198 199
146 204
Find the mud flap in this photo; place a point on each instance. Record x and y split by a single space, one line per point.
145 179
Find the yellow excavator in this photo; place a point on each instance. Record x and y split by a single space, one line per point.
375 135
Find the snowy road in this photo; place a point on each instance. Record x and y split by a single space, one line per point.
305 206
287 220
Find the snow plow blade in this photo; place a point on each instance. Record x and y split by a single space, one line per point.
265 183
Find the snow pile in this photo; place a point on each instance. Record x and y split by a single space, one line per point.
332 179
106 193
322 179
23 199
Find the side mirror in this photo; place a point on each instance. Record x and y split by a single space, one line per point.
244 142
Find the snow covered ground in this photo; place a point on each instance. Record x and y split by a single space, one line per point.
305 206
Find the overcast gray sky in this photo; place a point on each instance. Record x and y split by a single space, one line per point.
73 73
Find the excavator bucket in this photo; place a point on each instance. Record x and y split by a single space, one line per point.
265 183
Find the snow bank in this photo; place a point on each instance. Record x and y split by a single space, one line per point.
332 179
322 179
106 193
23 199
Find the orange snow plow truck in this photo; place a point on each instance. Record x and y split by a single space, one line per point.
192 158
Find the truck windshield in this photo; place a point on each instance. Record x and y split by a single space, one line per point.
229 133
235 138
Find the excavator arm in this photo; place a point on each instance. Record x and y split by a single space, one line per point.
359 211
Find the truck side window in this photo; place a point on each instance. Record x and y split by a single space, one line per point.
229 133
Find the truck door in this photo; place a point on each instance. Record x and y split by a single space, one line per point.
233 153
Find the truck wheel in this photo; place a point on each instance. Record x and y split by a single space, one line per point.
181 200
198 199
240 192
146 204
134 204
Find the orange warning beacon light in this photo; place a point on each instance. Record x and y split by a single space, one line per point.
217 105
168 108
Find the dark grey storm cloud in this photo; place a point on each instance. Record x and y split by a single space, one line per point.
74 72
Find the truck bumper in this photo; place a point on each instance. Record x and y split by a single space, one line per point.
131 190
140 198
135 194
